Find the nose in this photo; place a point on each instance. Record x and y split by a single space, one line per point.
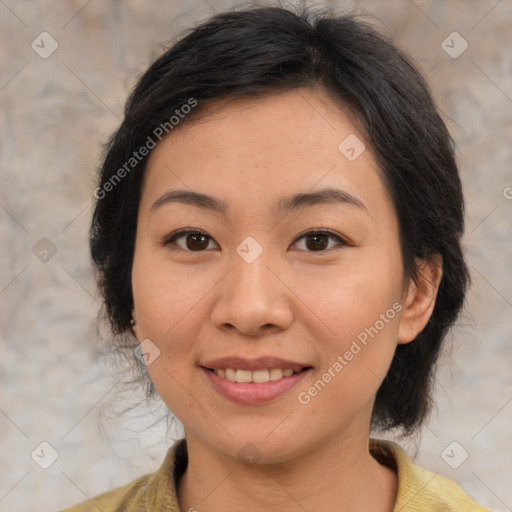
252 298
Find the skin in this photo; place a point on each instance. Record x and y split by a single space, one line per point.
292 302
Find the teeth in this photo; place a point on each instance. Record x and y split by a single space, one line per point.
276 374
260 376
257 376
243 376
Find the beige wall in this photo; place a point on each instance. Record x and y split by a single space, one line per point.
57 111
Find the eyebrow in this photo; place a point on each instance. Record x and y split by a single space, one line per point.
294 202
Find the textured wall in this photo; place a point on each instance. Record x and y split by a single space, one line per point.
57 110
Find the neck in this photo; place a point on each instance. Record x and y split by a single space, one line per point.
338 476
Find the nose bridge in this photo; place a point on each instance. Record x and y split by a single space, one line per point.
252 296
251 275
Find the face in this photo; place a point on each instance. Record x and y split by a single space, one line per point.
260 280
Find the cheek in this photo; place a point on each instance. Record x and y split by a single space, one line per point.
166 300
354 364
354 299
362 313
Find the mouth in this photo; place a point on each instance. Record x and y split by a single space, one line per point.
256 381
255 376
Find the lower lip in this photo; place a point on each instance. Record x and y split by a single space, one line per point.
249 393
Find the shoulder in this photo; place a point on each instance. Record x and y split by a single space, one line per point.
149 493
420 490
130 497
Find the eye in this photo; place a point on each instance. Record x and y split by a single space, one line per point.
198 241
318 241
195 241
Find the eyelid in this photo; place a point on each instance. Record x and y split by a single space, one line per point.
324 231
341 241
168 240
311 231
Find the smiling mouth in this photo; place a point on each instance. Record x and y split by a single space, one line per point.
256 376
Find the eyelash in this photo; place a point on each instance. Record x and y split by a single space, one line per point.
182 233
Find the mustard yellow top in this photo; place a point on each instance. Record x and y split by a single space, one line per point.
419 490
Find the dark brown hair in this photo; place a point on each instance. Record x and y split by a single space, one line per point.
257 51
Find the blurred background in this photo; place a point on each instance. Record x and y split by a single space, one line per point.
66 69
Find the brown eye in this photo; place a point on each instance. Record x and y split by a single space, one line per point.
318 241
195 241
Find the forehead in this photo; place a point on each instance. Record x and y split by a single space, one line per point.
290 122
264 147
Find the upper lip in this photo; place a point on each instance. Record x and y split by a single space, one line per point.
260 363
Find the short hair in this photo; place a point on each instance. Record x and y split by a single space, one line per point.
262 50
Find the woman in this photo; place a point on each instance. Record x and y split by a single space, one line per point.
277 232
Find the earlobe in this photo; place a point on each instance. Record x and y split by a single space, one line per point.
134 324
420 299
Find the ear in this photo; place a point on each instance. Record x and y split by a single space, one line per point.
420 299
135 325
